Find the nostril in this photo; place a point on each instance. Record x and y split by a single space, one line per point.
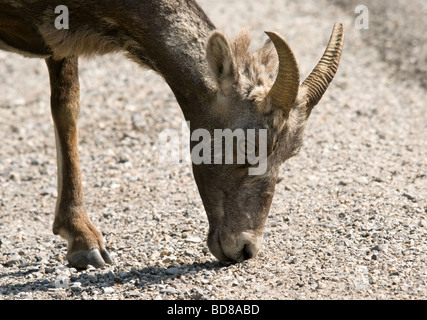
247 252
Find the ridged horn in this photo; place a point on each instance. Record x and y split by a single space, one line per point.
285 88
321 76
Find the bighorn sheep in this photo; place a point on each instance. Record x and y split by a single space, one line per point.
218 84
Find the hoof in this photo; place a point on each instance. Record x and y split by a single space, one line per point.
106 256
81 259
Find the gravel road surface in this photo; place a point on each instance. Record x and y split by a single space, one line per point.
349 217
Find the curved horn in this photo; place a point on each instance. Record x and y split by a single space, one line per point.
285 88
318 80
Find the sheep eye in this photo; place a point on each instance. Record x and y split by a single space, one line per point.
248 148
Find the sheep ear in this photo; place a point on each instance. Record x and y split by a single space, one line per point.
221 63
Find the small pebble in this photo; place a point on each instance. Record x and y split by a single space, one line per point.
172 271
76 286
108 290
193 239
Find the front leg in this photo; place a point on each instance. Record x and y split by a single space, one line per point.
85 242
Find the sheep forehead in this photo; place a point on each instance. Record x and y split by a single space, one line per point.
257 70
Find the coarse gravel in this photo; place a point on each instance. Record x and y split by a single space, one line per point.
349 216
